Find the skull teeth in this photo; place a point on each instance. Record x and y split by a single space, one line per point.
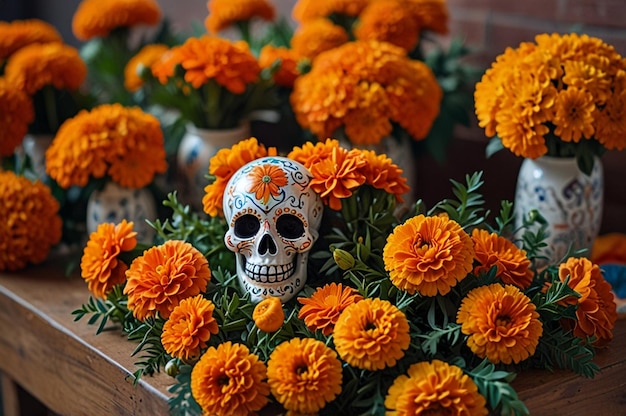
269 273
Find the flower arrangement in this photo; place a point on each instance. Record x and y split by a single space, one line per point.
435 310
31 224
561 96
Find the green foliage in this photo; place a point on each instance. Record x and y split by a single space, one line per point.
495 386
468 207
100 312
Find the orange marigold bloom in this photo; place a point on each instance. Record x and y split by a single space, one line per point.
435 388
287 59
596 313
230 64
224 165
123 142
268 315
225 13
513 267
189 327
95 18
321 311
305 10
381 173
501 322
16 113
429 255
364 87
389 21
266 181
229 380
39 64
163 276
431 14
304 375
316 36
143 60
100 265
29 221
16 34
371 334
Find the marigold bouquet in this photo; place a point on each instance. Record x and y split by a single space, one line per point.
435 310
561 95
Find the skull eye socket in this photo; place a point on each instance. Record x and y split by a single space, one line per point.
289 226
246 226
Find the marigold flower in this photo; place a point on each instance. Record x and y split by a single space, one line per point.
381 173
371 334
16 34
224 165
229 380
431 14
364 87
189 327
94 18
16 113
304 375
321 311
163 276
268 315
513 267
434 387
143 60
287 59
389 21
100 265
316 36
429 255
305 10
39 64
123 142
230 64
596 313
225 13
29 221
501 322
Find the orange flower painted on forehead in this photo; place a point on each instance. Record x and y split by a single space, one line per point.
266 180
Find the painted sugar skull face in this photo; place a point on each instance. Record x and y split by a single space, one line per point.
273 218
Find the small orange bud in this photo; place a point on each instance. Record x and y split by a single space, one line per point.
268 314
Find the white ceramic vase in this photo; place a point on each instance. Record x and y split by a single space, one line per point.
115 203
195 151
34 146
569 200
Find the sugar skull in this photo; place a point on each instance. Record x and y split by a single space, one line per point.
273 219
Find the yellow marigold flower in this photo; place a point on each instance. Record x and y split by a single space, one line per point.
229 380
39 64
143 60
268 315
29 221
304 375
16 113
389 21
163 276
574 115
381 173
16 34
434 387
596 313
364 87
189 327
305 10
224 165
225 13
123 142
230 64
371 334
100 265
316 36
321 311
95 18
287 59
513 267
501 322
429 255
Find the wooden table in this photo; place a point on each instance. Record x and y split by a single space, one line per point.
72 371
